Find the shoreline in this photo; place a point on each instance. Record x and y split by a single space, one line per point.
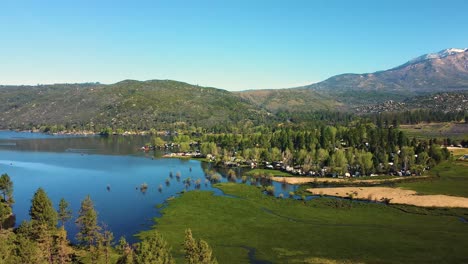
80 133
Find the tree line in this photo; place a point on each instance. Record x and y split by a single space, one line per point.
362 148
305 119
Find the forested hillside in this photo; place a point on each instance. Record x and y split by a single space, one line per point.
126 105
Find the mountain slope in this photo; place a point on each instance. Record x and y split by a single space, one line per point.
446 70
297 100
127 104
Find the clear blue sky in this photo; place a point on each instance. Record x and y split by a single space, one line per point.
234 45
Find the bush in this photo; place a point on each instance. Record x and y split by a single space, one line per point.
270 190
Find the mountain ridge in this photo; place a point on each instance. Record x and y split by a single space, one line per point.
141 105
416 74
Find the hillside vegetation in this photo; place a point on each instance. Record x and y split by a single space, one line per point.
127 104
296 100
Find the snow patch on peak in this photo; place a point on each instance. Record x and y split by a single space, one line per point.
439 55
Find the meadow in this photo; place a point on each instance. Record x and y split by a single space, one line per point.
256 228
449 177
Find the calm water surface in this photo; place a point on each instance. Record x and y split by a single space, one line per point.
109 169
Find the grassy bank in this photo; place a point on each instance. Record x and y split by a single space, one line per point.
449 177
321 230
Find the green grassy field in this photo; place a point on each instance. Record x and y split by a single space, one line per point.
436 130
450 178
265 172
323 230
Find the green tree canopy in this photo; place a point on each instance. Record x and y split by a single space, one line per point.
88 233
197 252
42 212
64 212
153 250
6 189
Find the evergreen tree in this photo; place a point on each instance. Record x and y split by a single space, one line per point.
64 212
197 252
190 247
205 253
62 248
7 247
126 251
153 250
43 224
6 189
121 245
5 213
27 251
42 212
88 233
107 240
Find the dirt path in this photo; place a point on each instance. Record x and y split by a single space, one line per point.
303 180
397 196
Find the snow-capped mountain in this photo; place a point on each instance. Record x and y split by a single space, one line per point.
446 70
439 55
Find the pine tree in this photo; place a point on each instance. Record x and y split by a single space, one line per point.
87 223
42 212
153 250
64 212
6 189
197 252
205 253
190 247
44 236
107 240
126 251
5 213
7 247
122 245
62 249
27 251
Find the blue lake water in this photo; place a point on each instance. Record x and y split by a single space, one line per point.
110 170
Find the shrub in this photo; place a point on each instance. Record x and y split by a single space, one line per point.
270 190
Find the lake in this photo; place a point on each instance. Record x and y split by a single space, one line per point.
109 169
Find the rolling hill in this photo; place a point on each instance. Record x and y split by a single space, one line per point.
128 104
